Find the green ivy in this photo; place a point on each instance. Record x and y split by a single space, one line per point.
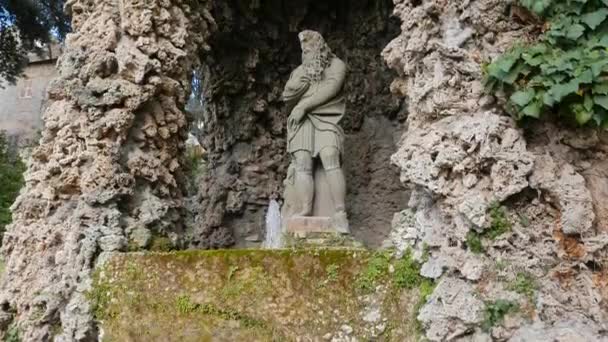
566 72
495 312
11 181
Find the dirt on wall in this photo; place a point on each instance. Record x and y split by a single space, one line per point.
244 132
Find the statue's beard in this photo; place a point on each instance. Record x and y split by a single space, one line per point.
314 64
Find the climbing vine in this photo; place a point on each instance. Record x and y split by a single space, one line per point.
566 72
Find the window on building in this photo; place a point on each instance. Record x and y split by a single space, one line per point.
25 91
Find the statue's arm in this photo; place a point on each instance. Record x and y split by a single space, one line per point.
328 88
295 79
295 87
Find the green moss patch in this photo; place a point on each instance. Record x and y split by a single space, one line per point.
251 295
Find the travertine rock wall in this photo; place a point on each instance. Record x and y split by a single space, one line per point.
106 175
462 153
245 122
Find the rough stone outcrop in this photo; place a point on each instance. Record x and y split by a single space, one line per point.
462 154
107 174
245 120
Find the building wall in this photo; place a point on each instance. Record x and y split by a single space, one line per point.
21 104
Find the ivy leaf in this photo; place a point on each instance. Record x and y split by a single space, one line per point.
575 31
588 102
601 88
559 91
585 77
537 6
548 99
601 101
598 118
597 67
512 76
582 116
594 19
522 98
533 109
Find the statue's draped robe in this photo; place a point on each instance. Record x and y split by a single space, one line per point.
324 105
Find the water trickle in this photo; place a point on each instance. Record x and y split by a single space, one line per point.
274 234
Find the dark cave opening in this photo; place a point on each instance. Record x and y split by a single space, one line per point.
252 54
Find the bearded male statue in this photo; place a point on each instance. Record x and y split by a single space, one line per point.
314 95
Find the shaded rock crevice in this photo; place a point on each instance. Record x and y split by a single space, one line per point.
253 53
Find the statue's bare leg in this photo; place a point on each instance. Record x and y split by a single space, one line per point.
304 183
330 157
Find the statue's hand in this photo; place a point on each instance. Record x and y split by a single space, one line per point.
297 114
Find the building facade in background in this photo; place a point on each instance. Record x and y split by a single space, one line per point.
22 104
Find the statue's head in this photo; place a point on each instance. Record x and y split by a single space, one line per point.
316 54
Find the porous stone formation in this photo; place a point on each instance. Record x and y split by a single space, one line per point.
500 216
107 174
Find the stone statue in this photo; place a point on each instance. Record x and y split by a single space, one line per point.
314 96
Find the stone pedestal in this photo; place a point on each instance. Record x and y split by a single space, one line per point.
316 231
302 226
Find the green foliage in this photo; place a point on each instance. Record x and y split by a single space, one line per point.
474 242
425 289
232 271
185 305
161 244
495 312
11 181
332 272
501 265
524 284
426 252
99 297
499 223
12 335
407 272
377 267
194 166
564 73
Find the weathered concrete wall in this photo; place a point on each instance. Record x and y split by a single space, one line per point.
22 104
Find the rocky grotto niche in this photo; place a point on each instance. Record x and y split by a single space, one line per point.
252 53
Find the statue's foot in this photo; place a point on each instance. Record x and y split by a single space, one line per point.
340 222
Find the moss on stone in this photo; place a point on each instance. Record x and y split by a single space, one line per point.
495 311
161 244
499 223
377 268
474 242
525 284
253 295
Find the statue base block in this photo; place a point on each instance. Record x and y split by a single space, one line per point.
302 226
316 231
